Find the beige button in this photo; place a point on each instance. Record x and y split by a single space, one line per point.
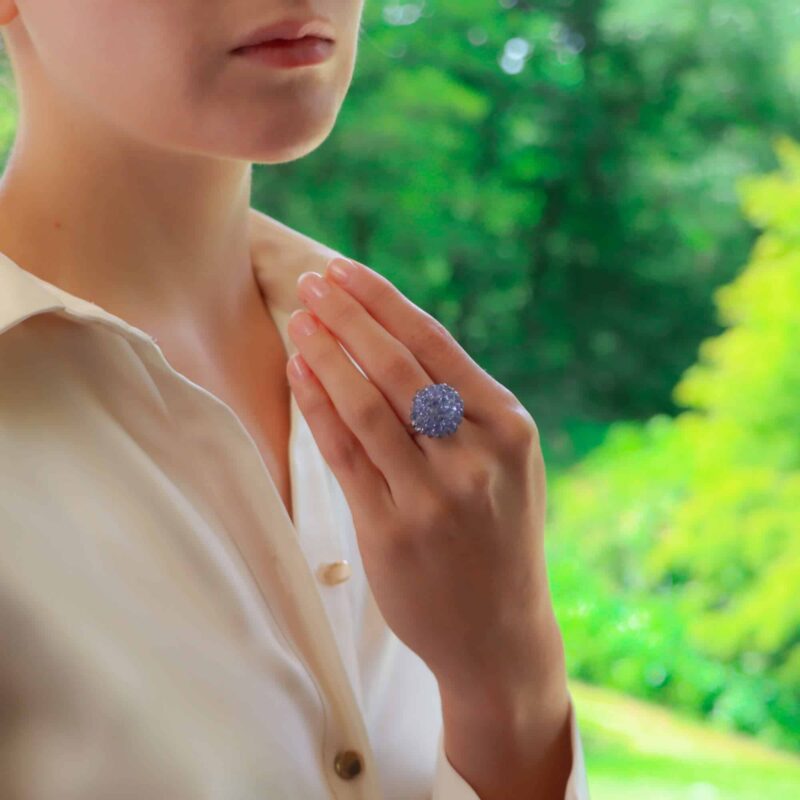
347 764
335 572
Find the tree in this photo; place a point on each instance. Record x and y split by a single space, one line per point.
701 514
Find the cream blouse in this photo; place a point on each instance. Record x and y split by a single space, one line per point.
166 631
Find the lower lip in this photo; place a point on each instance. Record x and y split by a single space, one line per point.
289 52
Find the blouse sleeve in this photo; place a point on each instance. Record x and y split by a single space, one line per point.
450 785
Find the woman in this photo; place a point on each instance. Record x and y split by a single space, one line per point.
225 572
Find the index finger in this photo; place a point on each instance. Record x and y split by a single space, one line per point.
434 346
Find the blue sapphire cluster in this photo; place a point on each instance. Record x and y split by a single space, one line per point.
437 410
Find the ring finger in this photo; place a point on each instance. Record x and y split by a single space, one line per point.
359 403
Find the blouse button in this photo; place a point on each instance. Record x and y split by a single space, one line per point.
347 764
335 572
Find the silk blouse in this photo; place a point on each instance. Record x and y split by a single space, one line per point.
166 629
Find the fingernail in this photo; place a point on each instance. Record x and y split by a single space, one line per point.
340 270
305 322
298 366
314 283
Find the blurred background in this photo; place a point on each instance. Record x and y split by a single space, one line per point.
601 200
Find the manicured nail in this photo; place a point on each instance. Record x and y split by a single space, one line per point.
305 322
313 283
298 366
340 270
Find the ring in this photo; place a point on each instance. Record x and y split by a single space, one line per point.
436 410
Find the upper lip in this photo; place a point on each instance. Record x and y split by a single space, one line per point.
290 28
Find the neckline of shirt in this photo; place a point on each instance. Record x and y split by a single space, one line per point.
23 294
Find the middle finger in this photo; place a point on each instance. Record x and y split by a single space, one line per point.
388 363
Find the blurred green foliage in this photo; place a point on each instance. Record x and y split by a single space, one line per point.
676 544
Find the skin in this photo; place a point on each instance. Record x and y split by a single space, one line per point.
143 129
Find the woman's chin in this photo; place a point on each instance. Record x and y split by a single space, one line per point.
295 137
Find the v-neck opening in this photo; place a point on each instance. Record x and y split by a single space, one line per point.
81 308
279 319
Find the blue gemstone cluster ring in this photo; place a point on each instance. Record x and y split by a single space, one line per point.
437 410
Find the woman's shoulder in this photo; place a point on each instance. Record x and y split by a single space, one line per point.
280 254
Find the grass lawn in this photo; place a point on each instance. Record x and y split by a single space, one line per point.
639 751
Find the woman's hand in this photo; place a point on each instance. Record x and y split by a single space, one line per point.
450 530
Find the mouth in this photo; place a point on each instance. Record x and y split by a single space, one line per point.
288 31
304 52
285 44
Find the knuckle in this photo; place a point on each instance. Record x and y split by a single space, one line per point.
369 413
315 406
380 289
432 337
338 315
474 482
504 392
517 430
343 455
399 371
